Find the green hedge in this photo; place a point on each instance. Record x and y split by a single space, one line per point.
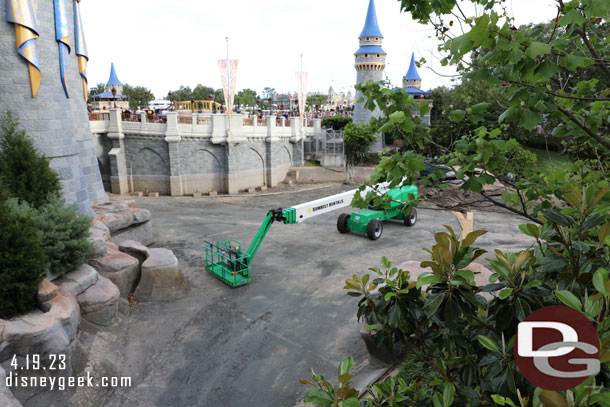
22 259
26 173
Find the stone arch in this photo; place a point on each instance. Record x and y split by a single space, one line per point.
251 169
202 172
149 171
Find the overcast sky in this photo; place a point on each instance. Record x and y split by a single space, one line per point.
163 44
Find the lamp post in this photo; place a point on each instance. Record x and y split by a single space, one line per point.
146 95
113 90
192 105
170 96
270 106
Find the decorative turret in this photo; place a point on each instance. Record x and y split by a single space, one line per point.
370 56
412 78
113 81
370 63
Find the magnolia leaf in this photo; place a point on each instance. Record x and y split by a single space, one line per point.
568 299
488 343
423 280
553 399
604 231
318 396
505 293
471 237
600 279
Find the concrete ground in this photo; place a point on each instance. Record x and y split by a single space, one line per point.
249 346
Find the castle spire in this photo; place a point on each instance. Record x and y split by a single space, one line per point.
371 28
113 80
412 72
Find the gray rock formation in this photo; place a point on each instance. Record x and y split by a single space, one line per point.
161 279
99 303
50 330
135 249
124 221
78 280
122 269
6 396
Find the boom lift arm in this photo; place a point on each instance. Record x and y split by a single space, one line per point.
231 264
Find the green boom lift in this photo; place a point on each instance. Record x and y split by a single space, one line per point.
227 260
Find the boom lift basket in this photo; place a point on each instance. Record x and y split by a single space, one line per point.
228 262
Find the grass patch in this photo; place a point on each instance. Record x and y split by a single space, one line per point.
549 161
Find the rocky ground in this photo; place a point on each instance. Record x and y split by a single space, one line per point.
249 346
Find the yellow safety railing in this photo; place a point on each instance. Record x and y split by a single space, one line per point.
197 106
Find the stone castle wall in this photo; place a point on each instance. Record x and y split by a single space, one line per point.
177 159
58 125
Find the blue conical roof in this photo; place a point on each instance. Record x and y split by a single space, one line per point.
412 73
371 29
113 80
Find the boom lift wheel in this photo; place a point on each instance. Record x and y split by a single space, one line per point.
411 219
374 229
342 223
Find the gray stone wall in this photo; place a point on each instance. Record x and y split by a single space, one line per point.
58 125
202 166
148 164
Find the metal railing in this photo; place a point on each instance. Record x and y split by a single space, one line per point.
95 116
204 120
130 117
261 122
248 121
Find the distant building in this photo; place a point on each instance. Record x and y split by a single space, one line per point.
106 100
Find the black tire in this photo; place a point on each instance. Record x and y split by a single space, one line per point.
342 223
374 229
411 219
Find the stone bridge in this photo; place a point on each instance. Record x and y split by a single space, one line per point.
185 154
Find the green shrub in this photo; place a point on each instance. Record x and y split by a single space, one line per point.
336 122
521 162
65 232
22 259
25 172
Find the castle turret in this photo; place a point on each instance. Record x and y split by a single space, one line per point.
411 83
370 63
412 78
113 81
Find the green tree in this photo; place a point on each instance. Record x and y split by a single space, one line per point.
137 95
336 122
313 100
219 96
24 172
202 92
466 339
356 139
247 97
183 94
22 259
269 93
